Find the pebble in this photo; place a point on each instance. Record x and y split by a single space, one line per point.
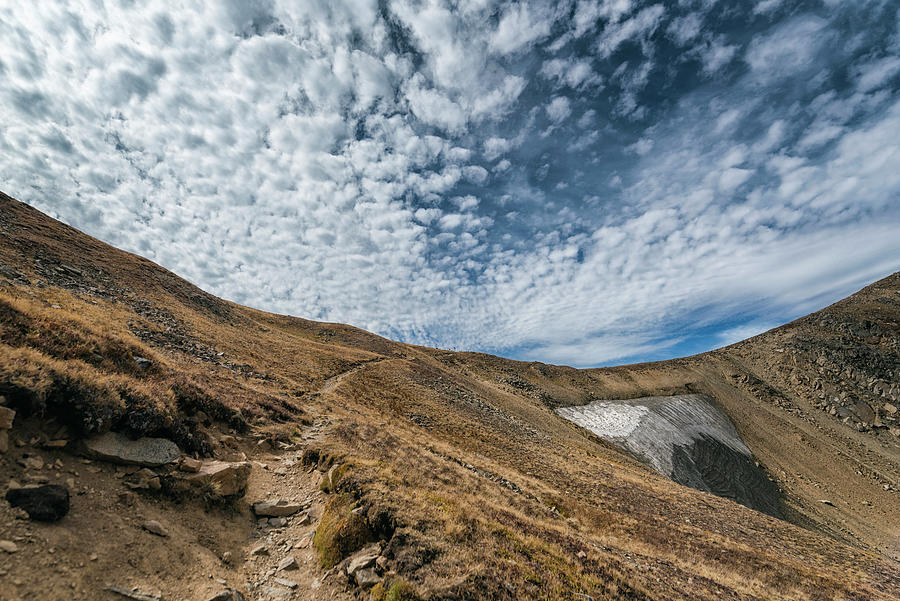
259 550
8 546
155 527
288 563
287 583
189 464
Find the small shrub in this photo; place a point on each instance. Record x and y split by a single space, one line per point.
400 590
340 531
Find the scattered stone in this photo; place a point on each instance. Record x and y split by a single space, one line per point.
223 596
126 497
288 563
226 557
363 558
118 448
890 408
303 519
259 550
47 503
304 542
7 416
826 502
366 578
581 555
4 441
144 478
8 546
94 557
278 522
286 583
155 527
274 592
134 593
222 478
142 362
279 508
55 444
32 462
189 464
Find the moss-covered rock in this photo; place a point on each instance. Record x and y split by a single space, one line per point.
340 532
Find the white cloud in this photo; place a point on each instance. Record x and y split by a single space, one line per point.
685 29
716 56
558 109
317 159
788 49
520 26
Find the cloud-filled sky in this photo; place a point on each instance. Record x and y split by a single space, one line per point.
581 181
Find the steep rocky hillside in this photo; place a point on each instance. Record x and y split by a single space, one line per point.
404 472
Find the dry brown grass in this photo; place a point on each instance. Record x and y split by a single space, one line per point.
459 464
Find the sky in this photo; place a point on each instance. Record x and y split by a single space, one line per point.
583 182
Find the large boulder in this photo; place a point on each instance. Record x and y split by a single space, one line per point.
47 503
118 448
222 478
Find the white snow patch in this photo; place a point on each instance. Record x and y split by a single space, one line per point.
606 420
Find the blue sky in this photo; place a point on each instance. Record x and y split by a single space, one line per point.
583 182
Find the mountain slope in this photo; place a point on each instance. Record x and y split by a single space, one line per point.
461 467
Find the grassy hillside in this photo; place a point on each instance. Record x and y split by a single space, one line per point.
457 460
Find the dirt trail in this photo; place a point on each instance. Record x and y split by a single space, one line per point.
283 477
334 381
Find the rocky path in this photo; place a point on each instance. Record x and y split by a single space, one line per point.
279 561
115 542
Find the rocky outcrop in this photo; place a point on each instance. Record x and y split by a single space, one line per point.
843 360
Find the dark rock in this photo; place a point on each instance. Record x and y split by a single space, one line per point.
47 503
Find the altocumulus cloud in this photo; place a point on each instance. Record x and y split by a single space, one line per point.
577 181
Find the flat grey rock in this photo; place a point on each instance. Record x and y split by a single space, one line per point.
118 448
